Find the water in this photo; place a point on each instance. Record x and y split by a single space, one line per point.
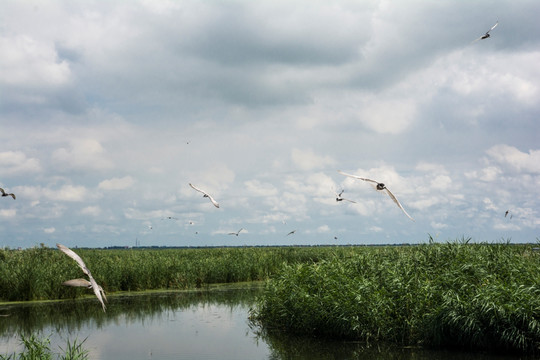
210 324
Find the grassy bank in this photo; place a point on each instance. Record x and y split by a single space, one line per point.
458 295
37 273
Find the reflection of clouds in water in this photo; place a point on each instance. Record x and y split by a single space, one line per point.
203 331
190 325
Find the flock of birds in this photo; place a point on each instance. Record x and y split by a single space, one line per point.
98 290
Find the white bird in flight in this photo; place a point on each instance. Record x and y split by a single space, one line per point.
6 194
486 35
379 187
205 194
341 198
236 233
92 284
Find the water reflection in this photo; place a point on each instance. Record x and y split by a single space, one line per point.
206 324
209 324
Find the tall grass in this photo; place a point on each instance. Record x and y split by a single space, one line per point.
473 296
37 273
35 348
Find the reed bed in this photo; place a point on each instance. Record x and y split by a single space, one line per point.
37 273
455 295
38 348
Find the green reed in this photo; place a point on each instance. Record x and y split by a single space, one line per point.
37 273
36 348
458 295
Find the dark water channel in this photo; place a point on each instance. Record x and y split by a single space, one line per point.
209 324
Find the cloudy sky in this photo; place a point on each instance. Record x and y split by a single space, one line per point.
109 109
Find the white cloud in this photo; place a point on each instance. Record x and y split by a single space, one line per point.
514 158
16 162
308 160
487 174
257 188
8 213
91 210
116 183
30 63
386 116
49 230
83 154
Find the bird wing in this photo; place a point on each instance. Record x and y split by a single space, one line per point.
292 232
196 188
77 283
97 291
357 177
354 202
205 194
213 201
493 27
75 257
397 203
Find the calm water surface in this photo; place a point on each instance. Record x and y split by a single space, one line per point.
210 324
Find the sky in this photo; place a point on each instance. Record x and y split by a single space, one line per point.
109 109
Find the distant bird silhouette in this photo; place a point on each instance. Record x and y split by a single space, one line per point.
379 187
292 232
341 198
6 194
169 218
486 35
236 233
92 284
508 212
205 194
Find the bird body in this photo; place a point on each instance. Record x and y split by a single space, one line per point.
486 35
341 198
98 290
379 187
205 194
6 194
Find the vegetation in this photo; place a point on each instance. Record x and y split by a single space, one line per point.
38 349
38 273
458 295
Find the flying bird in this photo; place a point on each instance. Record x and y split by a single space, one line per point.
341 198
205 194
379 187
169 218
292 232
6 194
236 233
92 284
508 212
486 35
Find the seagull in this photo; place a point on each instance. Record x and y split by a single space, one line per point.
206 195
6 194
169 218
236 233
92 284
379 187
340 198
292 232
486 35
